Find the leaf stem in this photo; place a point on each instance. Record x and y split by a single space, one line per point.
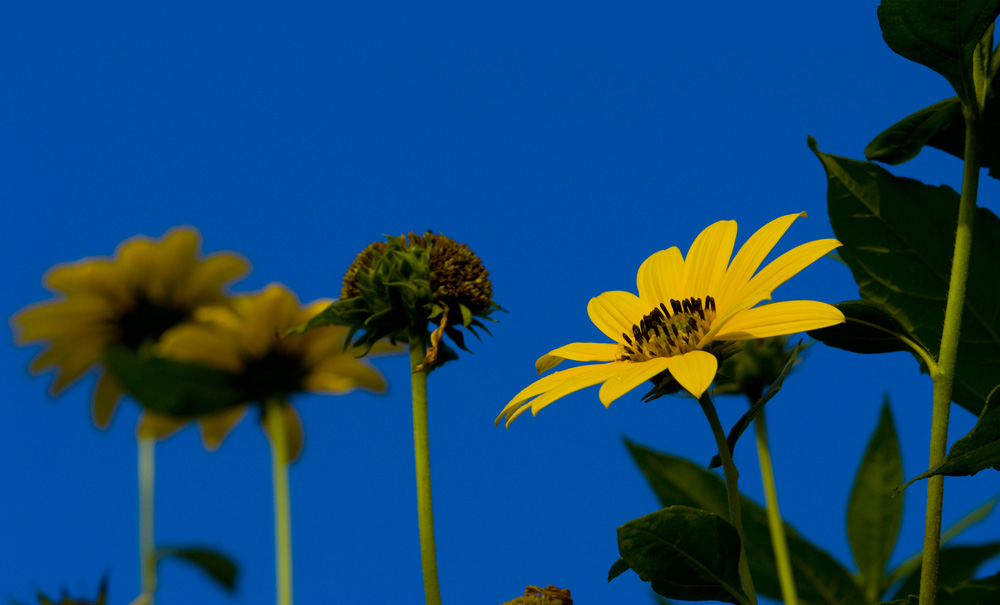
786 578
147 550
945 376
274 417
732 490
422 456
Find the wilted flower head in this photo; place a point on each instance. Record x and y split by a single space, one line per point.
394 288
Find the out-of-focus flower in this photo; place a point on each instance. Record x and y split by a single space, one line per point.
244 339
686 318
129 300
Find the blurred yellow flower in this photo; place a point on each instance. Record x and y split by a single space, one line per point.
148 287
687 315
245 340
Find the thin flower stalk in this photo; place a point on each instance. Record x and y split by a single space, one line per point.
147 544
421 450
776 526
274 416
944 377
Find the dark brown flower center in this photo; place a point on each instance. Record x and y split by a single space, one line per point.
276 374
146 321
666 332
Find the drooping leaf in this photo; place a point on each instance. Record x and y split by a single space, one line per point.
939 34
819 578
216 565
956 565
941 126
745 420
618 568
684 553
869 329
978 450
172 387
873 514
898 237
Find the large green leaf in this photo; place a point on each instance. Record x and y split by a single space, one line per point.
172 387
819 578
873 514
684 553
957 565
898 237
939 34
941 126
869 329
978 450
214 564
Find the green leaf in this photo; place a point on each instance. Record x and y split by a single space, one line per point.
898 237
939 34
819 578
957 564
941 126
684 553
978 450
873 514
216 565
745 420
869 329
618 568
972 592
172 387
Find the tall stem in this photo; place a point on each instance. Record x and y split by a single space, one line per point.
774 523
732 490
422 455
147 552
944 378
274 416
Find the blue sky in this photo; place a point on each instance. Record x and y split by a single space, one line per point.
563 142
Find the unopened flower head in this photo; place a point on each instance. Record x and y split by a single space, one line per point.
394 288
687 316
130 300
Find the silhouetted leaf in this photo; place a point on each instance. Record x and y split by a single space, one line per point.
957 564
819 578
618 568
898 237
216 565
684 553
873 514
869 329
978 450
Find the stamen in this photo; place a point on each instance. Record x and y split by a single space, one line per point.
662 334
666 314
627 339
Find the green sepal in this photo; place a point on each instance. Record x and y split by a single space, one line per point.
978 450
869 329
898 237
166 386
684 553
819 578
874 510
745 420
941 35
214 564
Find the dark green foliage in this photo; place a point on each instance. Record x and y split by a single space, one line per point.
869 329
216 565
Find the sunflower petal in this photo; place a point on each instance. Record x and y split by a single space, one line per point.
158 426
752 254
107 393
544 385
614 313
788 264
215 427
577 351
780 318
707 259
694 370
342 374
660 277
633 375
728 314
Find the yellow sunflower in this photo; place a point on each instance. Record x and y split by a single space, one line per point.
688 313
148 287
245 340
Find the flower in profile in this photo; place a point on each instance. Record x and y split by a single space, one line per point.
394 288
130 300
690 313
244 339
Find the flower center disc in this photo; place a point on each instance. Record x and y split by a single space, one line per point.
661 333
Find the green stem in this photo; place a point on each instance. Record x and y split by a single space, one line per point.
774 523
732 490
422 454
274 416
945 376
147 552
